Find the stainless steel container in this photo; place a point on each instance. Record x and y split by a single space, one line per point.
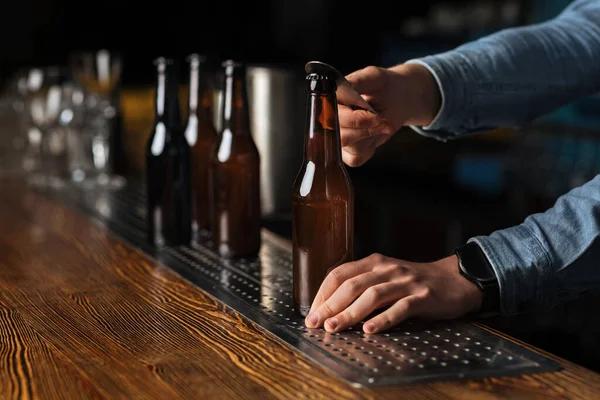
277 102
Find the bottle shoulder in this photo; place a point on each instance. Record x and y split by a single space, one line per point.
235 148
200 133
162 137
322 183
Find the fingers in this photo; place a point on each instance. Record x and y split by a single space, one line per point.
357 159
368 79
350 118
335 278
362 146
370 300
344 296
401 310
358 153
350 136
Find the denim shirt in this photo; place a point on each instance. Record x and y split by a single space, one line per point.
508 79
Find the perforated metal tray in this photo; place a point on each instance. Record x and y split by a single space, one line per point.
261 290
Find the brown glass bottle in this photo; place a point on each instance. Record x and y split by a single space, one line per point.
322 197
168 164
235 175
201 135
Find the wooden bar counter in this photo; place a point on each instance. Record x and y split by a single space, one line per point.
85 315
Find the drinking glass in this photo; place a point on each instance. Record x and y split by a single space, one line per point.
24 152
98 73
12 129
46 154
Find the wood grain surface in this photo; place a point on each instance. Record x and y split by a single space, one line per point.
84 315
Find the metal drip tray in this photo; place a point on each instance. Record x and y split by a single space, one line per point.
261 290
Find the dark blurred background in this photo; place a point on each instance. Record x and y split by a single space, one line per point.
417 198
268 31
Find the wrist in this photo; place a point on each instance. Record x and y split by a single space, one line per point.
422 91
475 267
470 295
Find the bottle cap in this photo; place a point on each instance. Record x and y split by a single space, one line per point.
321 82
313 76
162 62
231 63
231 67
195 59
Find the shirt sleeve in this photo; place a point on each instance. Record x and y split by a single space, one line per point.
516 75
551 257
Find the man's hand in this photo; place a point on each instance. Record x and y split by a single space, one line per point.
354 290
406 94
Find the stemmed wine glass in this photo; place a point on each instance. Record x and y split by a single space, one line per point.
47 152
12 125
98 73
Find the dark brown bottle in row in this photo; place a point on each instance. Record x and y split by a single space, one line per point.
235 177
201 135
322 197
168 164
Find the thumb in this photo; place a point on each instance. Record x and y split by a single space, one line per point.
368 79
350 118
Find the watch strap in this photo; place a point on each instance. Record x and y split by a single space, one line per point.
475 266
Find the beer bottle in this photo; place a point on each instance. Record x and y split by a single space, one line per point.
235 177
168 164
322 197
201 135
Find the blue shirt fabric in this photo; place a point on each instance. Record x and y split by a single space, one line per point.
508 79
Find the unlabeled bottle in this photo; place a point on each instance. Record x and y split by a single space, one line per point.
235 176
168 164
322 197
201 135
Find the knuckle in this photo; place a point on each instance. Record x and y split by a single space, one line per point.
389 269
372 70
337 276
349 316
383 269
374 294
386 320
377 258
326 309
425 293
352 285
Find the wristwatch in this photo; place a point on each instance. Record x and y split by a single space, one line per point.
474 265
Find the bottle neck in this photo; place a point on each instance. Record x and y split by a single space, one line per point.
194 89
167 98
205 109
236 115
322 138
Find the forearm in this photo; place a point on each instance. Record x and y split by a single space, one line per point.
516 75
551 257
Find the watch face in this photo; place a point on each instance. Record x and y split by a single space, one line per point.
475 266
475 263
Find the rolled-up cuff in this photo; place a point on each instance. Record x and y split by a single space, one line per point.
450 73
522 267
440 88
